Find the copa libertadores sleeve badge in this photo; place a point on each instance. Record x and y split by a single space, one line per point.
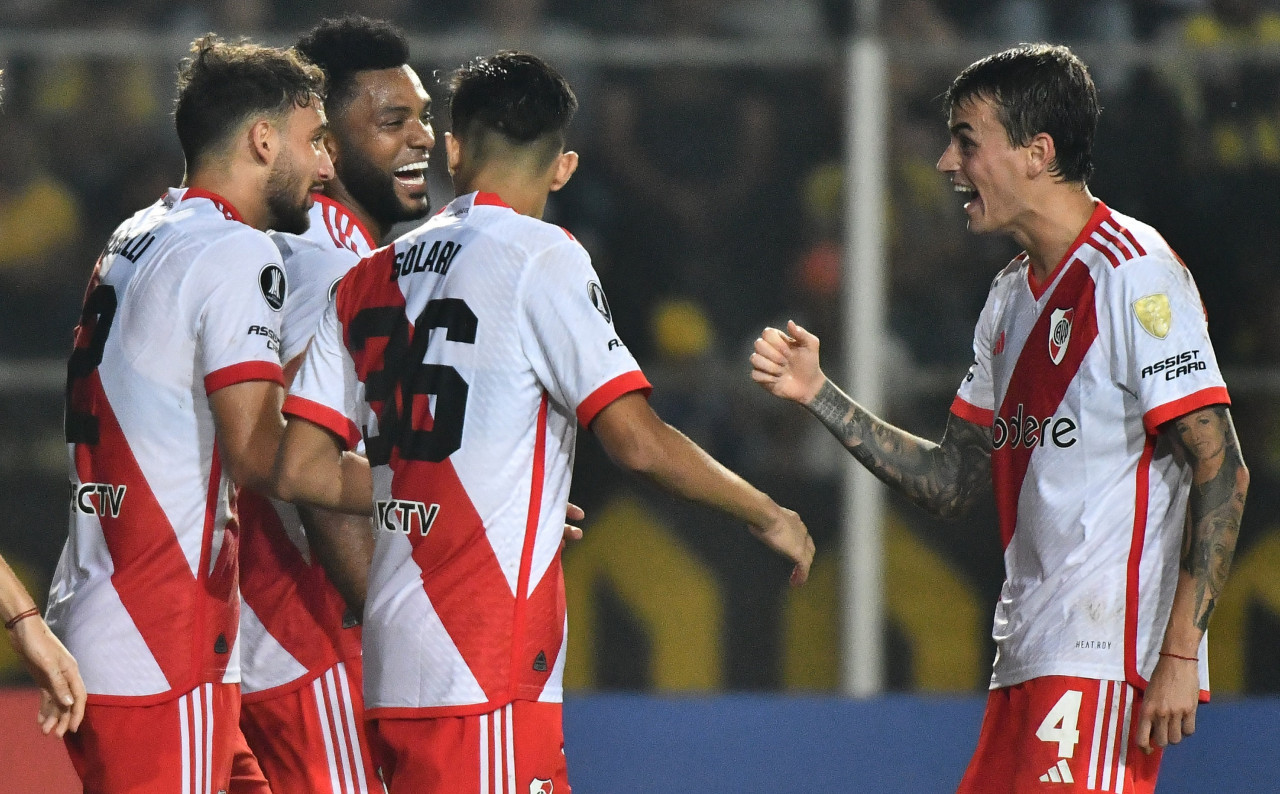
271 280
598 300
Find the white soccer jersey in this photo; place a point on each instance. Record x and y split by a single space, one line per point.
184 301
293 622
468 352
1074 377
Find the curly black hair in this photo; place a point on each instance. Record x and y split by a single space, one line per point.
350 44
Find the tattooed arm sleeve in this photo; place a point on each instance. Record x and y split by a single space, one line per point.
945 478
1220 481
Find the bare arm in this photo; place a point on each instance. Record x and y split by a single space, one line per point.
1206 439
343 544
1220 484
62 693
247 420
945 478
311 469
637 440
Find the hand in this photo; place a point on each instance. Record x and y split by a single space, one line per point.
786 364
62 694
1169 705
573 513
788 536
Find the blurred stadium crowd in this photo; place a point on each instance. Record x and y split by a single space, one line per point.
711 200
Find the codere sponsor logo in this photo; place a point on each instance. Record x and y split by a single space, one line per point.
1024 430
109 498
1176 366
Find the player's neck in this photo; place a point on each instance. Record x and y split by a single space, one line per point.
1048 233
524 195
335 190
246 196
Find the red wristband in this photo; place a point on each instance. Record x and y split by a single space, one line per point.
13 621
1179 656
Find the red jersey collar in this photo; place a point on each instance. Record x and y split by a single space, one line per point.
227 209
1100 213
344 210
489 200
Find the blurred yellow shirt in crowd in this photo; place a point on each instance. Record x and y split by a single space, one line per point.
40 218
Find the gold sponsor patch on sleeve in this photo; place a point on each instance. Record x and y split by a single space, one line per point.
1154 314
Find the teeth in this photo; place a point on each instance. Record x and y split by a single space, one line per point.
963 189
419 166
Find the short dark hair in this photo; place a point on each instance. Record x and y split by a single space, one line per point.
515 95
350 44
1038 88
223 84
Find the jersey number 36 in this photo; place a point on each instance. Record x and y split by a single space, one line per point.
404 376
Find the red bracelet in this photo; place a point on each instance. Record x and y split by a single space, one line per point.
1178 656
13 621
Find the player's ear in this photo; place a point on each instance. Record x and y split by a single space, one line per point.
264 141
562 169
1040 154
453 152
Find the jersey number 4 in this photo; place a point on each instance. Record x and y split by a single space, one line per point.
80 426
1060 724
405 376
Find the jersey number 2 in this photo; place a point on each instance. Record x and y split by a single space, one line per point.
81 427
404 376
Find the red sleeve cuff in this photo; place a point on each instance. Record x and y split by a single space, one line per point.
244 371
322 415
1214 395
972 413
610 391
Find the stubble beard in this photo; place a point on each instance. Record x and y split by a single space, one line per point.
375 190
287 212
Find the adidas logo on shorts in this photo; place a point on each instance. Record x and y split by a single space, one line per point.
1058 773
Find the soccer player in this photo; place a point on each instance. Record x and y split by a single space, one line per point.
173 394
303 713
1096 410
466 353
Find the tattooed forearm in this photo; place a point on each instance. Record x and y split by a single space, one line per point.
1220 483
946 478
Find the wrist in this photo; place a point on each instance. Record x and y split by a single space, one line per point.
1179 656
13 622
810 398
768 512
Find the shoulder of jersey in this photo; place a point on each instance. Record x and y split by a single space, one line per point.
290 245
1140 238
248 239
217 233
1015 267
533 234
1135 250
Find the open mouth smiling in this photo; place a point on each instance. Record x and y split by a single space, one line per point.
413 175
